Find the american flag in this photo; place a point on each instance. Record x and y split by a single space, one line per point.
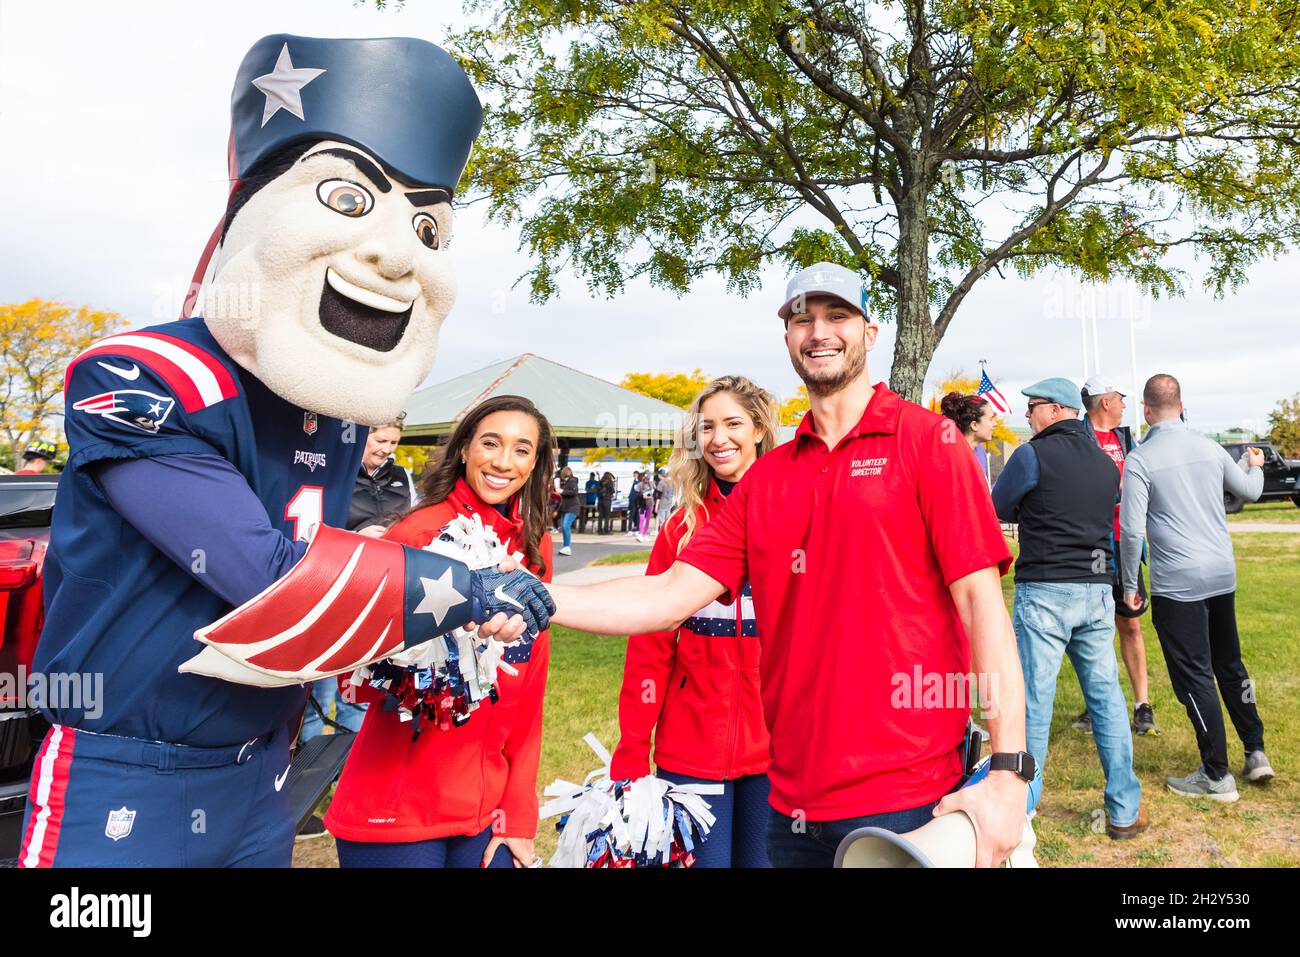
989 391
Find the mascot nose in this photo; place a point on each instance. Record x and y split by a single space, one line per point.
391 260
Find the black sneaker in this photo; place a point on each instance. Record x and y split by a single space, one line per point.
312 829
1144 720
1083 723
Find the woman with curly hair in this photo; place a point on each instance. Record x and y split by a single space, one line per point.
973 415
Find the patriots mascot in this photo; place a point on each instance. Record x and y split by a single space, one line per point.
212 462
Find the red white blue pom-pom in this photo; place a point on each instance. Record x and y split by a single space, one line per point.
442 681
648 822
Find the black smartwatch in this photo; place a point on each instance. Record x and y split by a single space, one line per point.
1021 762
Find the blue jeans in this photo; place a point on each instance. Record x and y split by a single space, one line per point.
326 693
457 851
1052 619
566 526
738 837
797 843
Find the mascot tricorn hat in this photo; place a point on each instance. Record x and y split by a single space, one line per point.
297 88
291 89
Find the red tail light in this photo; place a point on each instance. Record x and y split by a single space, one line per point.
17 566
21 607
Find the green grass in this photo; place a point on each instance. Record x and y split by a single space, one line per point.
639 557
1283 511
1259 830
1262 829
581 696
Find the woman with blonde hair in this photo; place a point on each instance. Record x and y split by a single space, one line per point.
697 688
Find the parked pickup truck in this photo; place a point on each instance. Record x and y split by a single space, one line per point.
1281 476
26 507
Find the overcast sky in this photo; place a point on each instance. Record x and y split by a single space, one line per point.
114 119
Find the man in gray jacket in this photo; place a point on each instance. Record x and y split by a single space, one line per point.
1173 492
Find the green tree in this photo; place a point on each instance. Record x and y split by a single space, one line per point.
925 143
1284 427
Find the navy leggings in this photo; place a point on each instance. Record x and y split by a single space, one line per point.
439 852
738 837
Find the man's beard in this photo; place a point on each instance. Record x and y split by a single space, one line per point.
855 360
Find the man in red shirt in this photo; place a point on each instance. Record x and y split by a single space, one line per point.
1103 406
875 556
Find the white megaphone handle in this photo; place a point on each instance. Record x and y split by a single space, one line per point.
1023 855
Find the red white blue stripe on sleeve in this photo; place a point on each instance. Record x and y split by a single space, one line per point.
196 377
716 620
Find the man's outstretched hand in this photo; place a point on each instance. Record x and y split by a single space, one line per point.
512 593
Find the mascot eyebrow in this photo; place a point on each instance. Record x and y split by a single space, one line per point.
423 197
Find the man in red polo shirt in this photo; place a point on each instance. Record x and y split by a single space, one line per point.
875 556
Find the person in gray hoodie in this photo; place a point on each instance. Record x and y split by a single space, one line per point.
1103 406
1173 493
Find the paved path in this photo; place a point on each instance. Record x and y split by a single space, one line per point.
598 573
1292 527
587 548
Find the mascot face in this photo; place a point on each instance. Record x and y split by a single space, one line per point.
332 282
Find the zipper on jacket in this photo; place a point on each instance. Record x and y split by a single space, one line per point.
733 725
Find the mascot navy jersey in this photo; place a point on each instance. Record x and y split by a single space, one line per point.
117 604
203 452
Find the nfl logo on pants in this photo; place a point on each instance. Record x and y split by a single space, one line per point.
119 823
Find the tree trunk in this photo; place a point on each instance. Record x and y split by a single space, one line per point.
916 339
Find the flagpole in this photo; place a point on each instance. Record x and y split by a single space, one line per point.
1096 343
988 475
1133 358
1083 341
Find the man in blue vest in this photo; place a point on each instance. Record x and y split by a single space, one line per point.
1061 489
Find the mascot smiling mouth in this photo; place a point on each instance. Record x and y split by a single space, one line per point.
362 316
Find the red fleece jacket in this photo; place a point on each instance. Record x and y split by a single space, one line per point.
697 687
463 780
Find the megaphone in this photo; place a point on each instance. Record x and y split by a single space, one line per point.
947 841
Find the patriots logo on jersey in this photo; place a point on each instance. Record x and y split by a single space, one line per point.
134 407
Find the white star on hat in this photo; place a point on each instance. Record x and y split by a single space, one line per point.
440 596
283 86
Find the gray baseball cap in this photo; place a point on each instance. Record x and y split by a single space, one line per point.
1056 389
828 279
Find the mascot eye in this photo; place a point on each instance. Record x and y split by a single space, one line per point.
426 227
344 197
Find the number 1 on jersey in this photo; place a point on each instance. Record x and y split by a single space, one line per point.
305 510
